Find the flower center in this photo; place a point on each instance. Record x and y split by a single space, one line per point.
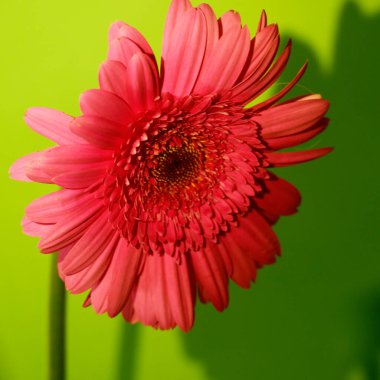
177 165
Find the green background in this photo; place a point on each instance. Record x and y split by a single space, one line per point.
315 314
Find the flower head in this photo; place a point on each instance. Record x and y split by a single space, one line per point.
165 189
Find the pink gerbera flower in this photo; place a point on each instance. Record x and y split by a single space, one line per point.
166 191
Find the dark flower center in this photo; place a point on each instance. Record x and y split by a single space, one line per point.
177 165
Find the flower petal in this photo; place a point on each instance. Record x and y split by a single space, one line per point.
35 229
297 138
150 303
75 166
174 16
212 29
263 49
106 105
252 87
166 301
279 197
183 53
71 227
291 117
113 78
115 287
222 67
263 21
103 133
121 30
125 41
50 208
142 85
27 169
211 276
89 247
272 100
122 50
250 245
91 275
52 124
292 158
242 268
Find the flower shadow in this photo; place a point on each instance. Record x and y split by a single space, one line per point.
302 320
314 315
369 355
126 366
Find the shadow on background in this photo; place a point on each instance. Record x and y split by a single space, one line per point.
129 341
4 372
305 318
370 345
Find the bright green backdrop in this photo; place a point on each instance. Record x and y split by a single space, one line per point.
315 314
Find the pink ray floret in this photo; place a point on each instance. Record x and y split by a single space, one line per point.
165 188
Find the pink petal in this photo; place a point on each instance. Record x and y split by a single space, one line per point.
272 100
165 294
91 275
298 138
120 31
174 16
211 276
243 267
85 177
142 85
74 154
181 292
17 170
253 243
90 246
27 169
35 229
290 118
263 49
87 301
71 227
52 207
61 255
122 50
279 198
76 166
103 133
183 53
266 244
223 66
106 105
113 78
123 271
212 31
291 158
52 124
229 20
251 88
263 22
150 304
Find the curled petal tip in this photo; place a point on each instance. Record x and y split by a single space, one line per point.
262 22
312 97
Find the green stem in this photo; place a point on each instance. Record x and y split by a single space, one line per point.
57 324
